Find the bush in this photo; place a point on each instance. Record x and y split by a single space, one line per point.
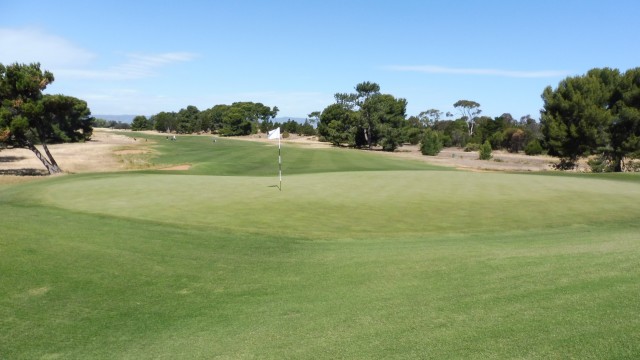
566 164
533 148
485 151
472 147
600 164
413 135
431 143
285 135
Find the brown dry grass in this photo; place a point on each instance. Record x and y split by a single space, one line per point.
106 151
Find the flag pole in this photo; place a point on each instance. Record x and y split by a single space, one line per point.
272 135
280 163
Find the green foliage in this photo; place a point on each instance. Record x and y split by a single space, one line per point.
113 124
188 120
431 143
469 111
454 132
485 151
600 164
165 121
239 118
470 147
141 122
516 140
533 148
364 119
28 116
243 118
306 128
413 135
598 113
336 124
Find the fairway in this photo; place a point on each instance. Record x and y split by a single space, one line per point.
359 256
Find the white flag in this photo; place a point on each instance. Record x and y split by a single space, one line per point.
274 134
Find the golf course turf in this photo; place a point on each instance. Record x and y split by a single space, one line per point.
359 256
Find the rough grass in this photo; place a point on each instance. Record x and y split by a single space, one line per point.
340 264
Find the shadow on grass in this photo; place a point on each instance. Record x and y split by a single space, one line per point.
7 159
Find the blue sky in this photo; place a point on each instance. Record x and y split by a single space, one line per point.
143 57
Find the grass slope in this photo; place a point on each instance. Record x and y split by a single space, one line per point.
247 158
340 264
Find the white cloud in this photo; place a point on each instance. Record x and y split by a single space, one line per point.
67 60
431 69
135 66
31 45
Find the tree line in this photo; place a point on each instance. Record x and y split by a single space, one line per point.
595 115
368 118
237 119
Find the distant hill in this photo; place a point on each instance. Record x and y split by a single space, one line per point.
120 118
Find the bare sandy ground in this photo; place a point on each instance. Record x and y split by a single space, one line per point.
109 151
106 151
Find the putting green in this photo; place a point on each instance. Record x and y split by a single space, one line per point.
351 204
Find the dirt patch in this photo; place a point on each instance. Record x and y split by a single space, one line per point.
100 154
458 158
130 152
177 168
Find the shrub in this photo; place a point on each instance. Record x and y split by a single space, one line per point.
600 164
285 134
566 164
431 143
533 148
485 151
472 147
413 135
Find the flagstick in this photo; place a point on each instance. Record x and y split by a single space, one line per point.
279 163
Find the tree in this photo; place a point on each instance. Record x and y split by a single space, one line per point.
314 118
141 122
431 143
28 117
365 118
165 121
413 130
469 111
368 109
243 118
306 128
578 115
188 120
625 127
336 125
485 151
217 116
430 117
290 126
533 148
388 121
